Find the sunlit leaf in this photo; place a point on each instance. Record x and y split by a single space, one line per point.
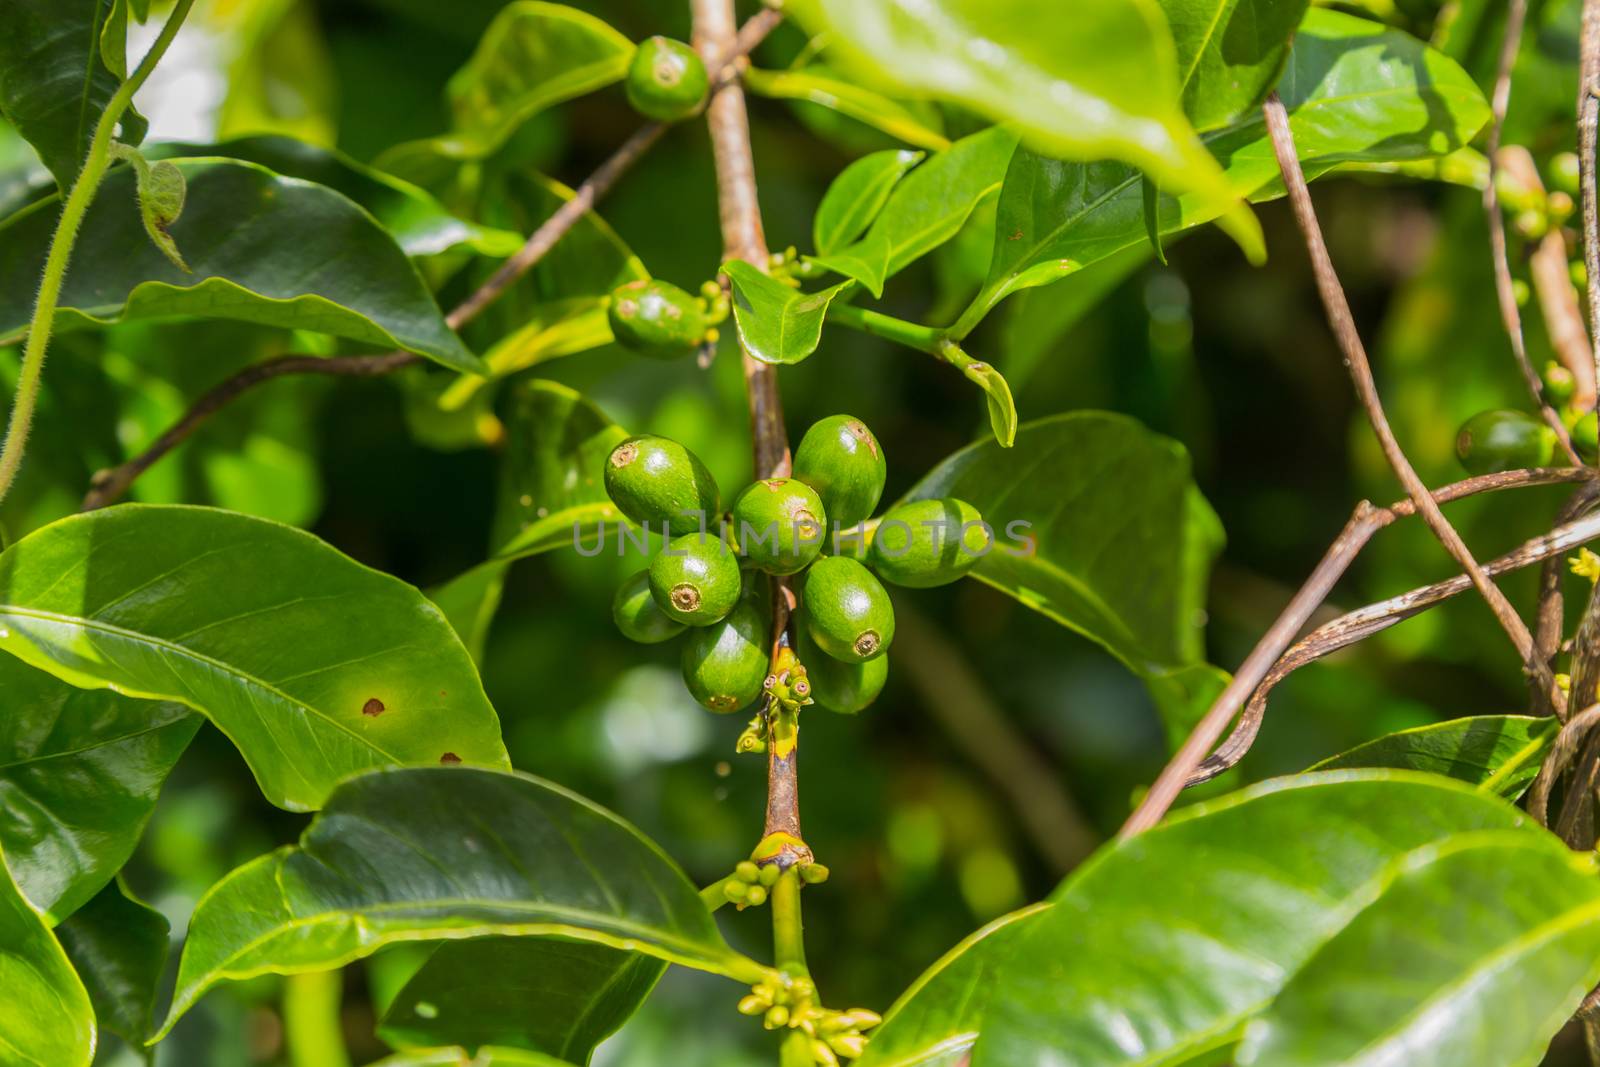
817 84
47 1019
856 196
1230 53
1499 753
315 666
444 853
777 323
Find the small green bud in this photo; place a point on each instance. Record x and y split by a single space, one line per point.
725 663
1565 173
814 873
841 459
1579 274
1494 441
1531 224
747 872
777 1017
638 616
735 891
757 896
1560 206
1586 435
851 1046
695 579
1520 292
656 480
770 875
823 1055
667 80
848 610
862 1018
779 525
1559 384
754 1004
656 318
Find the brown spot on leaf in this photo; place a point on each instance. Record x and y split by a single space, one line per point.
449 757
373 708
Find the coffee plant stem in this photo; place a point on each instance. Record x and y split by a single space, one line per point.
1343 324
789 951
311 1026
922 338
79 197
1588 142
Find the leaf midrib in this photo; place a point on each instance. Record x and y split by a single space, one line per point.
200 658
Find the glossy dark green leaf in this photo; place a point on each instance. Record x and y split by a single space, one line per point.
1100 527
552 495
1355 92
315 666
263 248
1101 84
856 196
926 209
118 946
533 56
79 774
936 1021
55 82
439 853
545 995
1230 53
460 1057
1198 923
1498 753
1477 952
817 84
419 223
47 1018
777 323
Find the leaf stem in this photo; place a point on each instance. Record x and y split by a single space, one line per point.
910 334
55 265
311 1025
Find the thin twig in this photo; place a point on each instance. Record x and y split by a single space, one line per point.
1550 617
1510 314
1355 356
1561 754
1588 136
108 486
1364 622
952 691
1262 659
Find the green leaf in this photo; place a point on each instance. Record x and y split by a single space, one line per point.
936 1021
47 1019
440 853
1230 53
1099 526
856 196
79 774
1200 921
541 994
926 209
1101 84
555 329
263 248
160 191
315 666
118 946
1355 92
533 57
460 1057
817 84
1477 952
417 221
55 82
1498 753
777 323
552 495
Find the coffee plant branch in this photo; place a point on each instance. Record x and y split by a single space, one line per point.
1588 141
1562 751
1516 14
1343 324
108 486
78 199
1263 658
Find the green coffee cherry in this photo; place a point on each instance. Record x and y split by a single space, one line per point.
1559 384
838 686
779 525
656 318
725 664
666 81
1585 433
841 460
656 480
848 612
695 579
1493 441
929 542
1564 173
637 614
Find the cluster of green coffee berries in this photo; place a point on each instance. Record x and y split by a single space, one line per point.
792 1004
1494 441
710 577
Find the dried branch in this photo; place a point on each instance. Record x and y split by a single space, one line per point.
1510 314
1366 521
1355 355
1561 754
108 486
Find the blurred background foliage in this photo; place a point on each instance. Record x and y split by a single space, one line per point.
924 846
